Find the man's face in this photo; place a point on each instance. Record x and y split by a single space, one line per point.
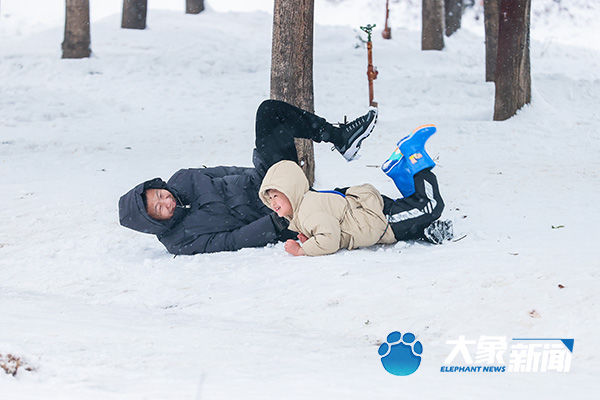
280 203
160 204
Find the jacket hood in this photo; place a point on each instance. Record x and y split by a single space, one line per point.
133 214
289 179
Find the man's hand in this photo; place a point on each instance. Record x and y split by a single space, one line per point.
292 247
302 238
279 223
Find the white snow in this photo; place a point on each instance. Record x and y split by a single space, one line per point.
103 312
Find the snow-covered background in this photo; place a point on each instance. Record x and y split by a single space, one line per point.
102 312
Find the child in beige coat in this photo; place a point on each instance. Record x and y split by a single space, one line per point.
326 221
358 216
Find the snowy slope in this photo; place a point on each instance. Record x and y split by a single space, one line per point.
102 312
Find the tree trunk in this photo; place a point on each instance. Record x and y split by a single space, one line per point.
134 14
513 77
292 66
453 9
432 32
194 6
76 43
491 17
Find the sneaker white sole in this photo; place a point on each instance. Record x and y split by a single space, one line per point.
350 154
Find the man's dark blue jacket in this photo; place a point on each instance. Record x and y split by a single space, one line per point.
218 209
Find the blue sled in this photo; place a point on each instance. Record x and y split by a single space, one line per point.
409 158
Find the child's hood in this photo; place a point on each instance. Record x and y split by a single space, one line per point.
289 179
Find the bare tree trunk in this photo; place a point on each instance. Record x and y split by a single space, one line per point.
134 14
453 9
513 77
491 17
194 6
76 43
292 66
432 32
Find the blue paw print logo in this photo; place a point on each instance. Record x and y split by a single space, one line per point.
401 354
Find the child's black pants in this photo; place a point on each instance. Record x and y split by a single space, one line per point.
410 216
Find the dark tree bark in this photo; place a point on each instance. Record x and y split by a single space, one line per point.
513 77
432 32
292 66
134 14
76 43
194 6
453 10
491 18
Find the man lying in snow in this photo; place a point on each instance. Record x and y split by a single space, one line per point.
204 210
360 216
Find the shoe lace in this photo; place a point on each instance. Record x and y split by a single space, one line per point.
354 124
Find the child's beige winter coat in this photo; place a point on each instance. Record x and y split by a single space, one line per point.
329 220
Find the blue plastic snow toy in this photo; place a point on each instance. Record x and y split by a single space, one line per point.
409 158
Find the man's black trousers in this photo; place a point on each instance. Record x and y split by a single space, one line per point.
277 124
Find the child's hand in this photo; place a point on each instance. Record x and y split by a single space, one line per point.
292 247
302 238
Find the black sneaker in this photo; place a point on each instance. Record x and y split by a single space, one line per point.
354 132
439 231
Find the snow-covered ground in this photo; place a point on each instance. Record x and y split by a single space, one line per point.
102 312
